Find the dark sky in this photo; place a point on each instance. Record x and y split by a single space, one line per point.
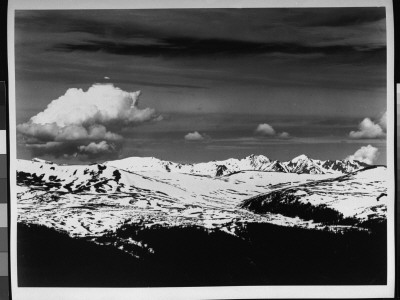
314 73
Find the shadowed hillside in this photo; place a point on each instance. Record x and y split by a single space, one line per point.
264 254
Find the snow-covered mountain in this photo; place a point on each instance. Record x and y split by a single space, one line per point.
301 165
95 200
213 168
360 195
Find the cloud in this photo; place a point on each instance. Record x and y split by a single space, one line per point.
89 122
53 132
341 17
197 47
93 150
284 135
96 148
100 104
265 129
167 37
194 136
367 154
368 129
383 121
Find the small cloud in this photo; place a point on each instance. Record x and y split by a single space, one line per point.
158 119
368 129
367 154
383 120
194 136
284 135
106 77
265 129
97 148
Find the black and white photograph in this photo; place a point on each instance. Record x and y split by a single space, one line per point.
202 147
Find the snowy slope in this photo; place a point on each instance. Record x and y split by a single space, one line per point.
303 164
252 162
360 196
91 201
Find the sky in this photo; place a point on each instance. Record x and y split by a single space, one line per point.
214 84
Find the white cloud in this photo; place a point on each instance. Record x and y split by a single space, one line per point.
46 132
383 121
368 129
284 135
367 154
86 120
38 132
194 136
265 129
97 148
100 104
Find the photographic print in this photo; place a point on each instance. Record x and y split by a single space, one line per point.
202 147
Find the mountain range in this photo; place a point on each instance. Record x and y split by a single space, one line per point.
300 164
97 200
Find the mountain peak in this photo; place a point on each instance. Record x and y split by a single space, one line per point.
257 157
257 161
301 157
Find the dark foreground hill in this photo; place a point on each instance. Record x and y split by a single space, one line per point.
265 254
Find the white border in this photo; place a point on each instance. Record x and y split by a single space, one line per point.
3 142
383 291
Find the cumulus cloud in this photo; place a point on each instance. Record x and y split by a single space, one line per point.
100 104
96 148
368 129
267 130
88 122
367 154
284 135
194 136
53 132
